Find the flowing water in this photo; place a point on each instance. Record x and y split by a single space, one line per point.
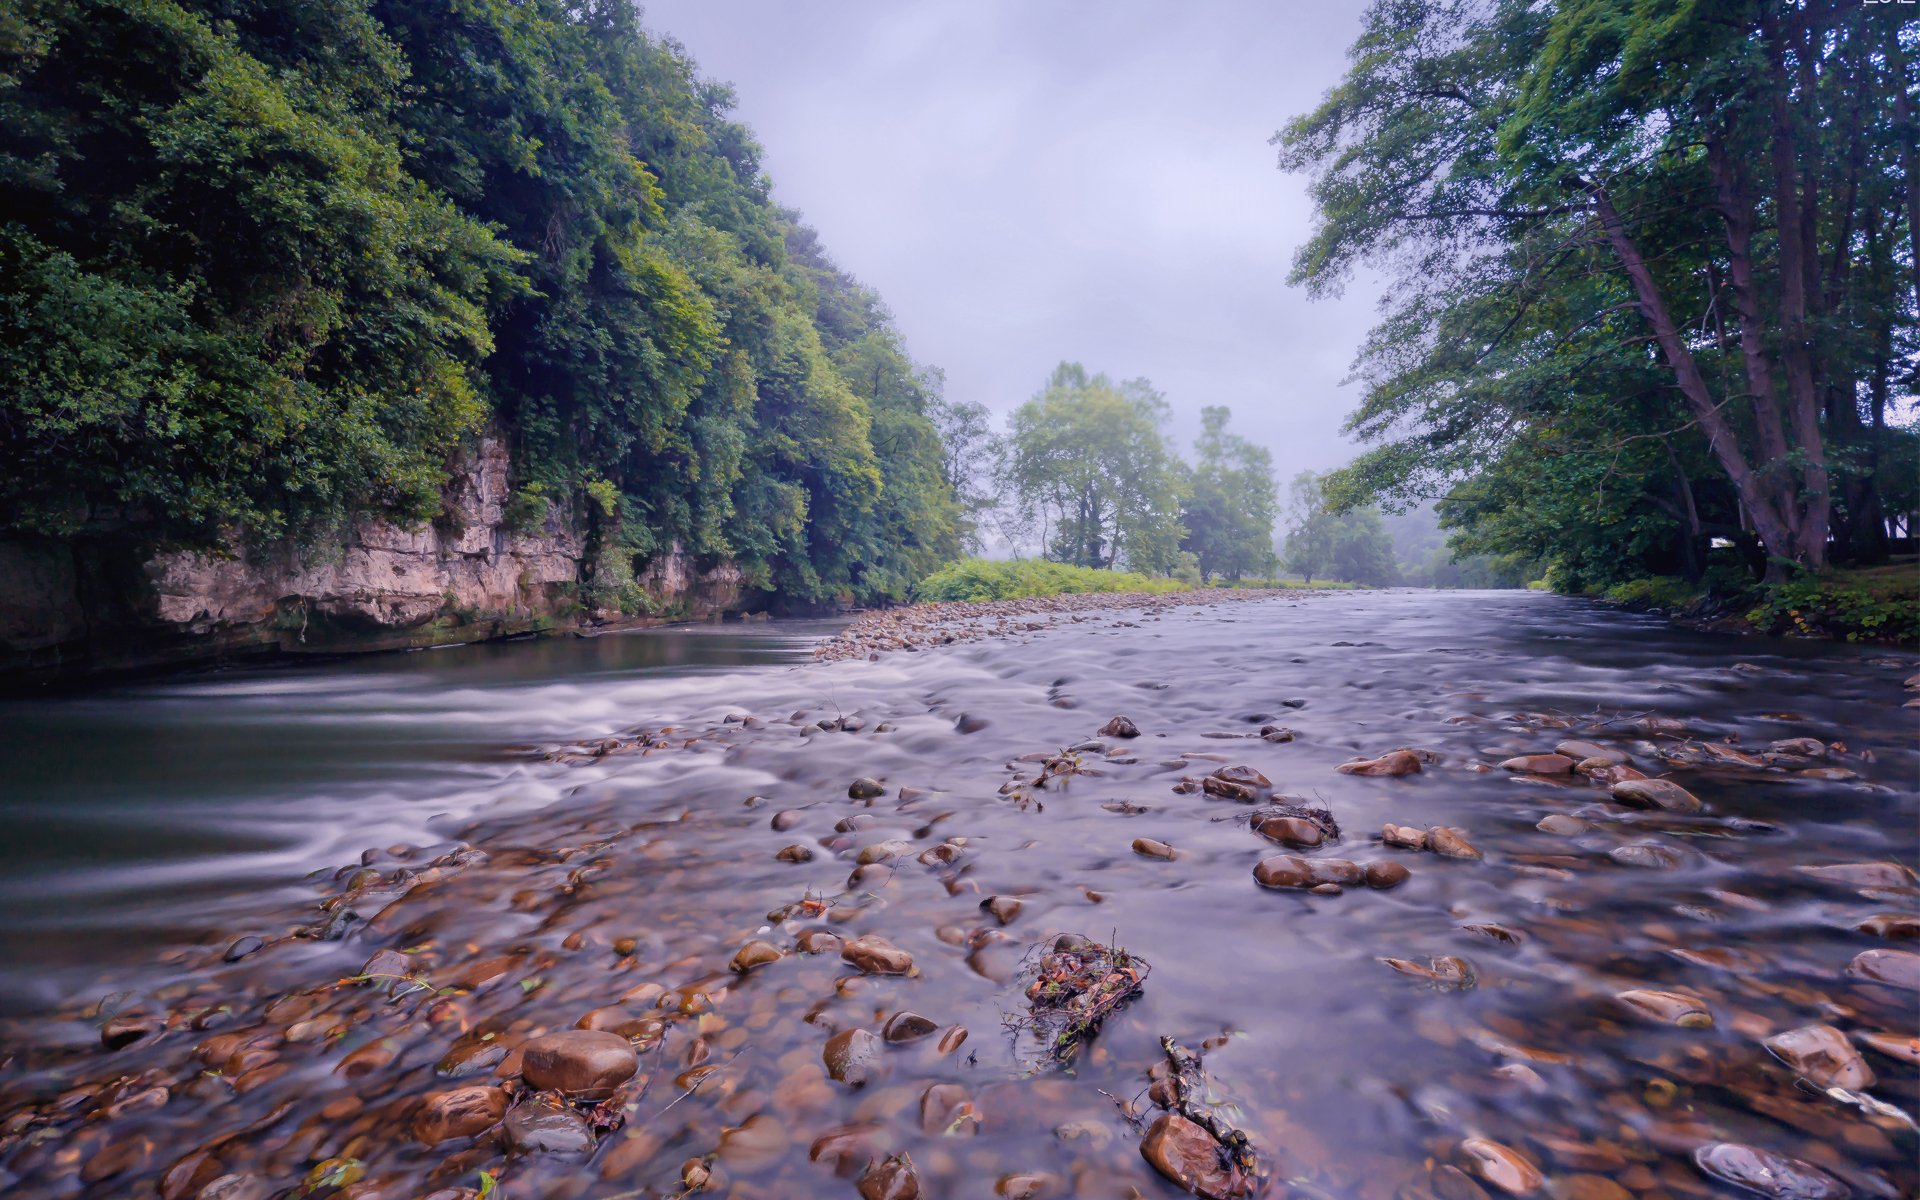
566 832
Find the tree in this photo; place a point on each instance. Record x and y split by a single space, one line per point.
1230 505
1092 476
1691 230
971 455
1349 545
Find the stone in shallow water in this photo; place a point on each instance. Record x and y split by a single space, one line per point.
1188 1155
1893 1045
1562 825
1822 1054
865 788
905 1026
1540 764
546 1129
892 1178
877 956
1151 848
1767 1173
1655 793
1893 926
1895 968
1501 1166
1580 751
1650 856
1120 727
1290 831
588 1064
852 1056
1384 875
1863 875
1667 1008
1404 836
755 954
1394 762
1448 842
461 1112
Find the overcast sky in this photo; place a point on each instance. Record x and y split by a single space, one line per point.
1026 181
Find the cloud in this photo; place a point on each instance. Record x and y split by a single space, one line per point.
1031 182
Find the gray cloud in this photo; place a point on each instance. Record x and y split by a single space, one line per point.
1026 182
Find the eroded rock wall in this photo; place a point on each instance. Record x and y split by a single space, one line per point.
466 576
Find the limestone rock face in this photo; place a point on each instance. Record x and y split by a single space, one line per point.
468 575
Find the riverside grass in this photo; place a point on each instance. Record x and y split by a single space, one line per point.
979 579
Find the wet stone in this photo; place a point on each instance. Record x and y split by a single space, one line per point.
877 956
1451 843
1406 837
1823 1054
1539 764
947 1110
865 788
756 953
1385 875
1666 1008
1562 825
1894 968
1284 871
242 947
852 1056
1654 793
1768 1174
535 1128
1150 848
817 941
1901 927
1394 762
1120 727
906 1026
1501 1166
1899 1047
1297 832
1652 856
1188 1155
1002 908
1863 875
1581 752
892 1178
585 1063
462 1112
787 818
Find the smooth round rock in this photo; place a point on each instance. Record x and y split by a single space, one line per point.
1297 832
1187 1154
866 788
1655 793
1894 968
1768 1174
1283 871
756 953
1384 875
877 956
546 1129
584 1063
1666 1008
852 1056
1540 764
461 1112
1501 1166
1824 1055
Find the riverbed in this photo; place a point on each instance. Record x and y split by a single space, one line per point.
259 926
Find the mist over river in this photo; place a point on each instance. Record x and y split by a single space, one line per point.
599 832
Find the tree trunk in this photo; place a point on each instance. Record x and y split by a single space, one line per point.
1762 502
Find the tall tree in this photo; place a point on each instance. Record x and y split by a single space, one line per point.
1350 545
1710 173
1230 504
1092 475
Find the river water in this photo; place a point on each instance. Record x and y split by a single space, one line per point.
631 796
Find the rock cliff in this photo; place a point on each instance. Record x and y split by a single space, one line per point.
102 605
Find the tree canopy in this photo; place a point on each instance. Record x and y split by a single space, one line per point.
1653 272
267 267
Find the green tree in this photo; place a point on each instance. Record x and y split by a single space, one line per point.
1350 545
1230 504
1678 237
1092 475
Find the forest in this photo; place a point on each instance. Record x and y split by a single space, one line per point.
266 268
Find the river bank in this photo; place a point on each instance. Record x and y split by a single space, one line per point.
797 904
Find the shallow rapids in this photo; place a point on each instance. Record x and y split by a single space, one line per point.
593 835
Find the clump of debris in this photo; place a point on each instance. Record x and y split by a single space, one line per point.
1191 1143
1072 984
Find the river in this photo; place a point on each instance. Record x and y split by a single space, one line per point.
588 831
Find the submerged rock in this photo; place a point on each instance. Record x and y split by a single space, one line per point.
1863 874
1393 762
1824 1055
755 954
852 1056
461 1112
1189 1156
1667 1008
877 956
583 1063
1540 764
1151 848
892 1178
1895 968
1655 793
1767 1173
1451 843
533 1128
1501 1166
866 788
1120 727
1297 832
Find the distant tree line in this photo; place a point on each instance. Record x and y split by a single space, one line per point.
1654 284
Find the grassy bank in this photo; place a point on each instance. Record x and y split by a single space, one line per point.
1871 604
978 579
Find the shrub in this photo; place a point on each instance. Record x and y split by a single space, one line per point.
1658 591
978 579
1881 605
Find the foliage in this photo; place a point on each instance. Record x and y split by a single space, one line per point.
1092 476
1874 605
1351 545
1654 273
979 579
1668 592
265 268
1230 502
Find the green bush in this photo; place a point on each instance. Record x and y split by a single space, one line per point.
977 579
1880 605
1658 591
